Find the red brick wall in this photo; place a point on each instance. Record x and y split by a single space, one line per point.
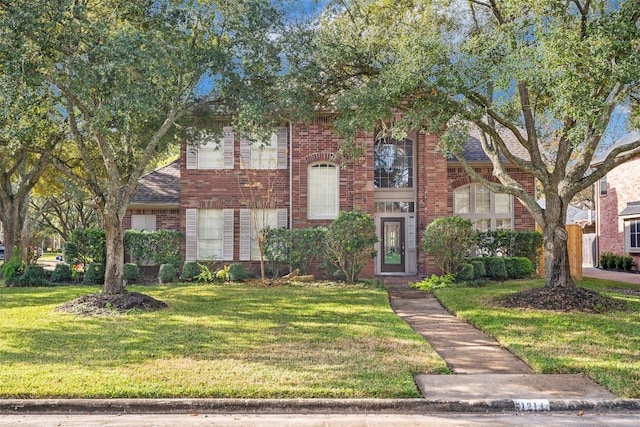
623 186
166 219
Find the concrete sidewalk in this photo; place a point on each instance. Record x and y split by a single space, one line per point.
484 369
618 276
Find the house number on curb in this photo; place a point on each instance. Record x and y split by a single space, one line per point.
532 404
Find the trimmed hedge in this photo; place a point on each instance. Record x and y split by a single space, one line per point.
518 267
167 273
190 270
478 268
496 267
131 272
466 272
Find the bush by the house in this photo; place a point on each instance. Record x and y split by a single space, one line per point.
504 243
478 268
434 282
349 243
91 243
496 268
94 274
612 261
190 271
205 275
448 240
237 272
131 272
62 273
153 247
466 272
167 273
292 248
518 267
70 252
222 274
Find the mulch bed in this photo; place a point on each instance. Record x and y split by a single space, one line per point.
561 299
100 304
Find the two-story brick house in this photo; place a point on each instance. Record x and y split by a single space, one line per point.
617 197
296 181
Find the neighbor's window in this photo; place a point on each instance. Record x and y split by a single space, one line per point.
633 235
487 210
603 185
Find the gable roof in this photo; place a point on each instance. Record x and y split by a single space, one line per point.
472 150
627 139
160 187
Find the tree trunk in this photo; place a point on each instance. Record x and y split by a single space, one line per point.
556 258
13 219
114 268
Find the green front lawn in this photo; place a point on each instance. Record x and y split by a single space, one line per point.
605 347
212 341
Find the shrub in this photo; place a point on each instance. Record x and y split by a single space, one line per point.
131 272
349 243
434 282
627 263
91 245
167 273
496 268
295 248
448 240
62 273
478 268
13 268
33 275
237 272
518 267
607 260
158 247
190 271
526 244
94 274
466 272
70 252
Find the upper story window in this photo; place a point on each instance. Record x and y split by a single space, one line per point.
487 210
323 191
270 154
212 152
393 163
603 185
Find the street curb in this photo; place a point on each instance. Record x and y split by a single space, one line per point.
306 406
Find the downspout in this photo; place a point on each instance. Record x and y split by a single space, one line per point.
290 174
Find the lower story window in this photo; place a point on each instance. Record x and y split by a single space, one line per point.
485 209
253 222
632 231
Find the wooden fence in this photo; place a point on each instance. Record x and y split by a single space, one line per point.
574 246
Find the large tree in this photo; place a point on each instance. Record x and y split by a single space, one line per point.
128 71
548 75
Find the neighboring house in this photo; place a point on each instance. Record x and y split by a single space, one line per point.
618 210
228 186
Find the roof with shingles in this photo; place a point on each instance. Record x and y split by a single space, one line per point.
162 186
472 150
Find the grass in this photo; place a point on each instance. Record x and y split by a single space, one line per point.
605 347
213 341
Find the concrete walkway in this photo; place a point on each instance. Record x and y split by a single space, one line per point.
484 369
618 276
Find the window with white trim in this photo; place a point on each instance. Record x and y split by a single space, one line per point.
143 222
269 154
252 224
486 209
210 151
323 191
209 234
632 235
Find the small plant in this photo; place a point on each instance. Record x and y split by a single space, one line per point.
167 273
62 273
496 268
13 268
478 268
434 282
190 271
223 274
205 275
131 272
